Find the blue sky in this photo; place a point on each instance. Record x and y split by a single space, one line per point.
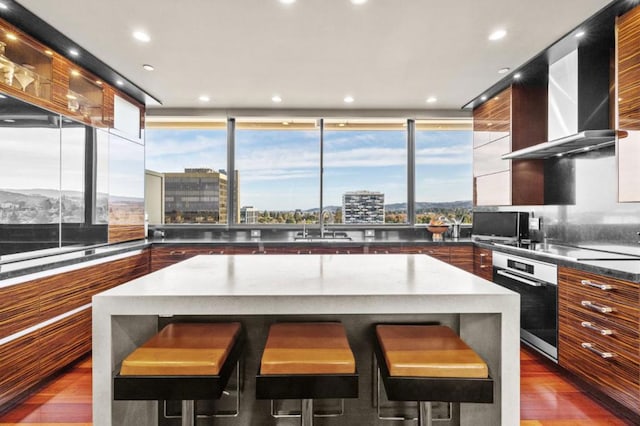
279 170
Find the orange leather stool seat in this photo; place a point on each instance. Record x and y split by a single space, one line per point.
307 348
183 349
428 351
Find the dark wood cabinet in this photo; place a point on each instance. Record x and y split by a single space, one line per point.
47 325
599 319
462 257
483 263
514 119
628 98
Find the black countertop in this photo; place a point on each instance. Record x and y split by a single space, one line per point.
600 263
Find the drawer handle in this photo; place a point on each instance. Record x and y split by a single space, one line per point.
177 253
592 348
216 252
600 330
603 309
603 287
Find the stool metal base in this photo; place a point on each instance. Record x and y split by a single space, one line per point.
188 413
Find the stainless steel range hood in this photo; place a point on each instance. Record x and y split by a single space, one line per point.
578 142
578 106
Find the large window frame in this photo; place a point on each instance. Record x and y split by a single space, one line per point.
409 124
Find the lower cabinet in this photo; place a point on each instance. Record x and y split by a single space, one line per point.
46 322
599 319
483 263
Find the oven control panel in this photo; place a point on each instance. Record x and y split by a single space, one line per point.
540 271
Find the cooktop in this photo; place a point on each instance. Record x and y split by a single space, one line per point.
568 252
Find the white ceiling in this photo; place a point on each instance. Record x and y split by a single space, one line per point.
387 54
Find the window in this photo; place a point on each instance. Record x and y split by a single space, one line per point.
190 159
278 164
365 171
444 183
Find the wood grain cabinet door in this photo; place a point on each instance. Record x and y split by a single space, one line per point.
628 111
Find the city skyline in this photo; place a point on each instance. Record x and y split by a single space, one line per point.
280 169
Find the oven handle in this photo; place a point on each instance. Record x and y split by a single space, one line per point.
519 278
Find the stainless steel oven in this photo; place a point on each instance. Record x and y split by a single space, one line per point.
537 284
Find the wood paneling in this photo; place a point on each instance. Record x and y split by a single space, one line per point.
628 75
27 304
617 376
20 367
29 359
60 83
462 257
439 252
121 233
63 342
515 119
19 307
483 263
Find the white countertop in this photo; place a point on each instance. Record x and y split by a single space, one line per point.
308 275
344 286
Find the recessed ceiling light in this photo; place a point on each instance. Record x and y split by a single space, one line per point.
517 76
141 36
148 67
285 123
358 1
342 124
497 35
3 6
12 36
348 99
9 120
483 97
204 98
431 99
276 98
587 148
3 96
119 82
504 70
74 52
287 1
579 34
559 155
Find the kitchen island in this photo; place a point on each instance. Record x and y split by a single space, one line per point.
358 290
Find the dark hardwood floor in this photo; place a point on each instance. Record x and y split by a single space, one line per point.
547 399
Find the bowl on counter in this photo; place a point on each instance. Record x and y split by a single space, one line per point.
437 231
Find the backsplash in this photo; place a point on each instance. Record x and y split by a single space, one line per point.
589 183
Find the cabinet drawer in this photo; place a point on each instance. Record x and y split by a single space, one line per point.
483 263
162 257
617 301
616 377
441 253
585 283
604 333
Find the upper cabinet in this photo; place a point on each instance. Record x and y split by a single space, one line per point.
25 65
33 72
514 119
628 106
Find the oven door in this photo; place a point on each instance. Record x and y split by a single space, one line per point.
538 310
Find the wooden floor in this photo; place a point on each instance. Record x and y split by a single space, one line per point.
547 399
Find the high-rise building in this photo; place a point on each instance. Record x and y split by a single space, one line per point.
363 207
197 196
249 214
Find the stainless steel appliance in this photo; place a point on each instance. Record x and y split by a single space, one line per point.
537 284
500 226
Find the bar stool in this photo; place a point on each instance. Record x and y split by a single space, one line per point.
307 361
185 362
426 363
